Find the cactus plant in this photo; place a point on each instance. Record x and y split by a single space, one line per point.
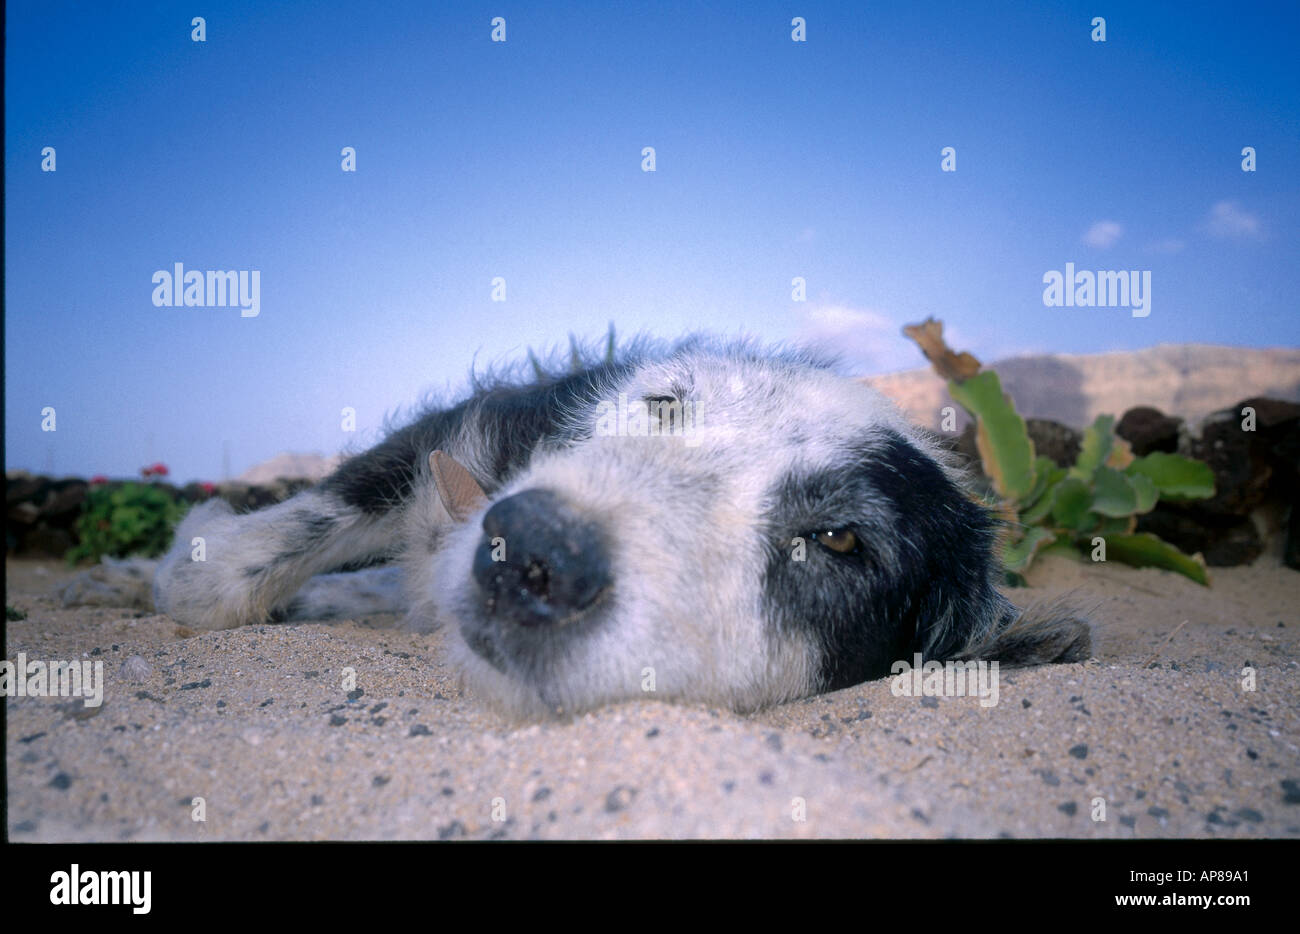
1092 506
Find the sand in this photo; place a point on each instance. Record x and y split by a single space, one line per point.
257 723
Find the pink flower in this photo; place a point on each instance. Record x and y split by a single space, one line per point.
98 480
158 469
208 488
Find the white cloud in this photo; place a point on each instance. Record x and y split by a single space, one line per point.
1168 246
865 339
1228 220
1103 234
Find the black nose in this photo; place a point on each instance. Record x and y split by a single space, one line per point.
539 563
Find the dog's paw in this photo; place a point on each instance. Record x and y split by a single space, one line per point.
201 581
1048 633
112 583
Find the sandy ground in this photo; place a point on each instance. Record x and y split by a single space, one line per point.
256 722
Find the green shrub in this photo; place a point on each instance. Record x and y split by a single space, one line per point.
1092 506
134 518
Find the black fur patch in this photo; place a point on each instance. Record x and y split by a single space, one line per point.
308 530
1041 635
515 418
864 614
282 614
381 478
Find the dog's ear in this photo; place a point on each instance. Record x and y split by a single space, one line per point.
460 493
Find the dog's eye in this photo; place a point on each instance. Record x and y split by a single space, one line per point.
667 411
840 540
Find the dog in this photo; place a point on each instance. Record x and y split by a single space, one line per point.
718 522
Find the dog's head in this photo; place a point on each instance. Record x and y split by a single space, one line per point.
729 528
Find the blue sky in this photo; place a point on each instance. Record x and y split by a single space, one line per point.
523 160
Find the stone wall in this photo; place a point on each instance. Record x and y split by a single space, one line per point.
41 512
1256 475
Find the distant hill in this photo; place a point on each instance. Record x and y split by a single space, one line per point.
1190 380
290 467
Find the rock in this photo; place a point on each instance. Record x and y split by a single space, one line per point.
1271 415
1255 465
24 513
1236 544
1241 476
1052 439
46 540
245 498
63 504
1147 429
135 668
195 493
1178 527
43 511
127 582
1223 542
22 487
1250 464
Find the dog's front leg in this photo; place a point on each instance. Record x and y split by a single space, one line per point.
226 570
